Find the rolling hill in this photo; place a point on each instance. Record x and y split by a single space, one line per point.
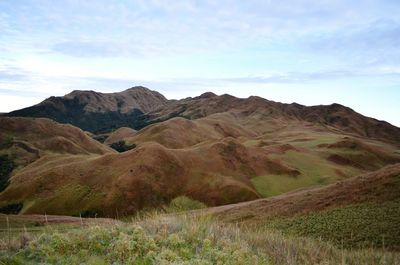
215 149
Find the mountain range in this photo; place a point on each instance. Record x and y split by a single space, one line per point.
108 154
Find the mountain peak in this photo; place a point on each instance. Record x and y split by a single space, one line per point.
77 93
207 95
135 88
138 97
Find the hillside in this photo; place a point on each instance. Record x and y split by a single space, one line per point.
360 211
28 139
317 154
149 175
194 158
119 135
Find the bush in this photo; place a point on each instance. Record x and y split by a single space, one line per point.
121 146
6 167
8 140
11 208
184 203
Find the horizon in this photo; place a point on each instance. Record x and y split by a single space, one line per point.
298 51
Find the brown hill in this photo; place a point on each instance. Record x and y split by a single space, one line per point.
146 176
120 135
180 132
25 140
40 136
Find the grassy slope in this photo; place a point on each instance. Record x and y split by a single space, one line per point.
146 176
353 213
311 152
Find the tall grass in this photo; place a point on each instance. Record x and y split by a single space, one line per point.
353 226
178 239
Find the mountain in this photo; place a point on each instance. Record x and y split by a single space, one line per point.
97 112
214 149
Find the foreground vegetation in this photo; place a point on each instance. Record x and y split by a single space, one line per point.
354 226
175 239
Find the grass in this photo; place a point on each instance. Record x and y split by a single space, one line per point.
178 239
83 198
155 241
271 185
314 171
354 226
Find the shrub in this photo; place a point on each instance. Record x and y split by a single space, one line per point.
14 208
184 203
6 167
121 146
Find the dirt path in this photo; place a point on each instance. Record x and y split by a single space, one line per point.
56 219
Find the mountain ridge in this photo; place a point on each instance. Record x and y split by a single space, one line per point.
138 107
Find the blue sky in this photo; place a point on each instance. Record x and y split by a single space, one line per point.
310 52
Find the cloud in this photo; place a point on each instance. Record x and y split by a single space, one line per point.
374 43
87 49
13 74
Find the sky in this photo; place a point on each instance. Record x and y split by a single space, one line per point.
305 51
